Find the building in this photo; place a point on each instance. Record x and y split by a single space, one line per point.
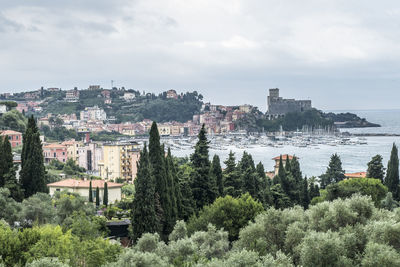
72 149
129 96
14 137
53 89
3 108
55 151
22 107
119 161
356 175
284 160
93 113
72 95
278 106
89 156
246 108
164 129
94 87
172 94
82 188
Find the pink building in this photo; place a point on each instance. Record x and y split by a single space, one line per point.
55 151
14 137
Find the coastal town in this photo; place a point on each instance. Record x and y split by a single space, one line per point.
116 158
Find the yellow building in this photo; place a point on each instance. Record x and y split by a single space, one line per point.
164 129
72 149
119 161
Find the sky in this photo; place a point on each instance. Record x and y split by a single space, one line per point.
342 54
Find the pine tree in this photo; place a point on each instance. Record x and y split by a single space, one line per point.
202 186
33 173
334 172
392 175
375 168
105 196
90 192
97 197
216 172
232 182
157 162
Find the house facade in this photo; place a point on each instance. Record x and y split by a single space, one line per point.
82 188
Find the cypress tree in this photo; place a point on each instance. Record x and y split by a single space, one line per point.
375 168
263 193
2 163
305 196
33 173
248 175
288 165
13 185
171 191
202 187
97 196
232 182
90 192
188 203
216 172
297 183
144 219
105 196
157 162
392 175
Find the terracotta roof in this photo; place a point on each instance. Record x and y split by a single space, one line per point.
284 157
9 132
74 183
356 175
54 146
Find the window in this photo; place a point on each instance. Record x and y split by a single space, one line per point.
55 154
58 189
63 153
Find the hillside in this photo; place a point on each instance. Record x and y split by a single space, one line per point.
141 106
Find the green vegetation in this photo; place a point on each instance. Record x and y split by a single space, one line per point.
392 175
346 188
33 173
227 213
143 106
375 168
13 120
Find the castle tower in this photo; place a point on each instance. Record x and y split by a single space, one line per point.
273 96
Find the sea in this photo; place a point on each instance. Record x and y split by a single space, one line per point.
314 161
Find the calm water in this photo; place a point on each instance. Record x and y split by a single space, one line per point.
314 161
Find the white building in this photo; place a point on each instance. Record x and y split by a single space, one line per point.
129 96
93 113
3 109
82 188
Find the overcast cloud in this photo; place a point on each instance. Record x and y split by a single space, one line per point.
342 54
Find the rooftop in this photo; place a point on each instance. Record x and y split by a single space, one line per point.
74 183
9 132
356 175
284 157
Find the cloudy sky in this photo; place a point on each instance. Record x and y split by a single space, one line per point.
342 54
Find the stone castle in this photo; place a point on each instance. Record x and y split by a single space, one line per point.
278 107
